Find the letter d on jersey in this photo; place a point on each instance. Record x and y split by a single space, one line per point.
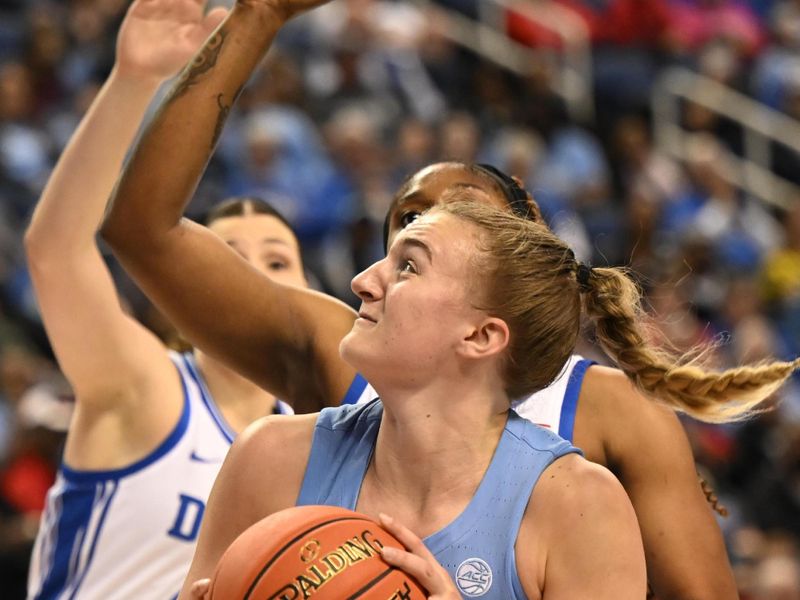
187 522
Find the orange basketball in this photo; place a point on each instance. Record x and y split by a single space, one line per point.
319 552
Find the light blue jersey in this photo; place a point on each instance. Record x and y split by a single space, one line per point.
477 548
131 532
553 408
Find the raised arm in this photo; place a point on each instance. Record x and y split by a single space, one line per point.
112 362
646 447
285 339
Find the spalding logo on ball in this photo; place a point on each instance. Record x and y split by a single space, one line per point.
318 552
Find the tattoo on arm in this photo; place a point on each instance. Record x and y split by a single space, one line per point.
221 118
202 62
224 110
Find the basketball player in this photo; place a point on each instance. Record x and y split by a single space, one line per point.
441 451
194 278
150 428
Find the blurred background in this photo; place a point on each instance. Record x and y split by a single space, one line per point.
659 134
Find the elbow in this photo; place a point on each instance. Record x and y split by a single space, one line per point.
38 245
111 232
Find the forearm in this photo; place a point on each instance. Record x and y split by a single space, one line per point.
169 160
72 204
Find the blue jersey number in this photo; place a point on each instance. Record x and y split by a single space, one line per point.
187 522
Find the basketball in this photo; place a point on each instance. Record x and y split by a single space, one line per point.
319 552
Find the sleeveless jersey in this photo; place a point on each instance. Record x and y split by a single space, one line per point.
131 532
477 548
553 408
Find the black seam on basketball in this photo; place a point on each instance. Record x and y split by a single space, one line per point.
372 583
277 554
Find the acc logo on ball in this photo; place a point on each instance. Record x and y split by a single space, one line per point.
474 577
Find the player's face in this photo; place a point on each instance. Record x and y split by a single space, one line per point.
429 186
415 303
266 243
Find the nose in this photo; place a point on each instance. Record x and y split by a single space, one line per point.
368 285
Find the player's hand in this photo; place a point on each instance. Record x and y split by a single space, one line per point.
201 589
158 37
418 562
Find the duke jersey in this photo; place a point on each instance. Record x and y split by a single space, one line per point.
130 532
477 548
553 408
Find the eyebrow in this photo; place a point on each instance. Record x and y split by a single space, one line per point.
419 194
415 243
275 241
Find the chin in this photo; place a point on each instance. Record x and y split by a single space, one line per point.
355 353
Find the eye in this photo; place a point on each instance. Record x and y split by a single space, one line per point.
408 218
276 265
407 266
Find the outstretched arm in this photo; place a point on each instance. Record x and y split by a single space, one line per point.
285 339
112 362
646 447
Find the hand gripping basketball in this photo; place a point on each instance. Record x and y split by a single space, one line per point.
317 552
418 561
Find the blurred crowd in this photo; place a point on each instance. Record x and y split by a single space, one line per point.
360 94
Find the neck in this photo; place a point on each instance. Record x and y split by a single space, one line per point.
434 446
240 400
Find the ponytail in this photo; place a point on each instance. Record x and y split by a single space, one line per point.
613 302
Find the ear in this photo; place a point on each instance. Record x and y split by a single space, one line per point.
489 338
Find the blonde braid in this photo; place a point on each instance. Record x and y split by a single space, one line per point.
613 302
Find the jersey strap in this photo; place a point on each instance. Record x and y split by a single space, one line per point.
355 390
570 405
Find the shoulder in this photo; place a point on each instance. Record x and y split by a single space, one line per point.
572 487
629 425
577 502
267 461
581 527
279 433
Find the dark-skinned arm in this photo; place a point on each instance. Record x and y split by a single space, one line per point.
647 449
284 339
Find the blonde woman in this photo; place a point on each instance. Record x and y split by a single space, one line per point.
194 279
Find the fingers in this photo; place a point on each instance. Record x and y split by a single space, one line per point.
214 17
201 589
418 562
407 537
414 565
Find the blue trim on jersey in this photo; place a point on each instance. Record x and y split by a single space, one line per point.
282 408
86 476
96 537
357 387
569 407
71 537
227 431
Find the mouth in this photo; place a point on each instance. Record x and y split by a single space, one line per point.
365 317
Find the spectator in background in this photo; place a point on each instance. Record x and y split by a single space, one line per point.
38 408
24 148
781 281
739 230
778 66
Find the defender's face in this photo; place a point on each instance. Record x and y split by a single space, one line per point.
428 187
266 243
415 303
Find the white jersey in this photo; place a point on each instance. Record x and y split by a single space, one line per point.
553 408
131 532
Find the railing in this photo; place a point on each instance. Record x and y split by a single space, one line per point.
762 126
488 38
